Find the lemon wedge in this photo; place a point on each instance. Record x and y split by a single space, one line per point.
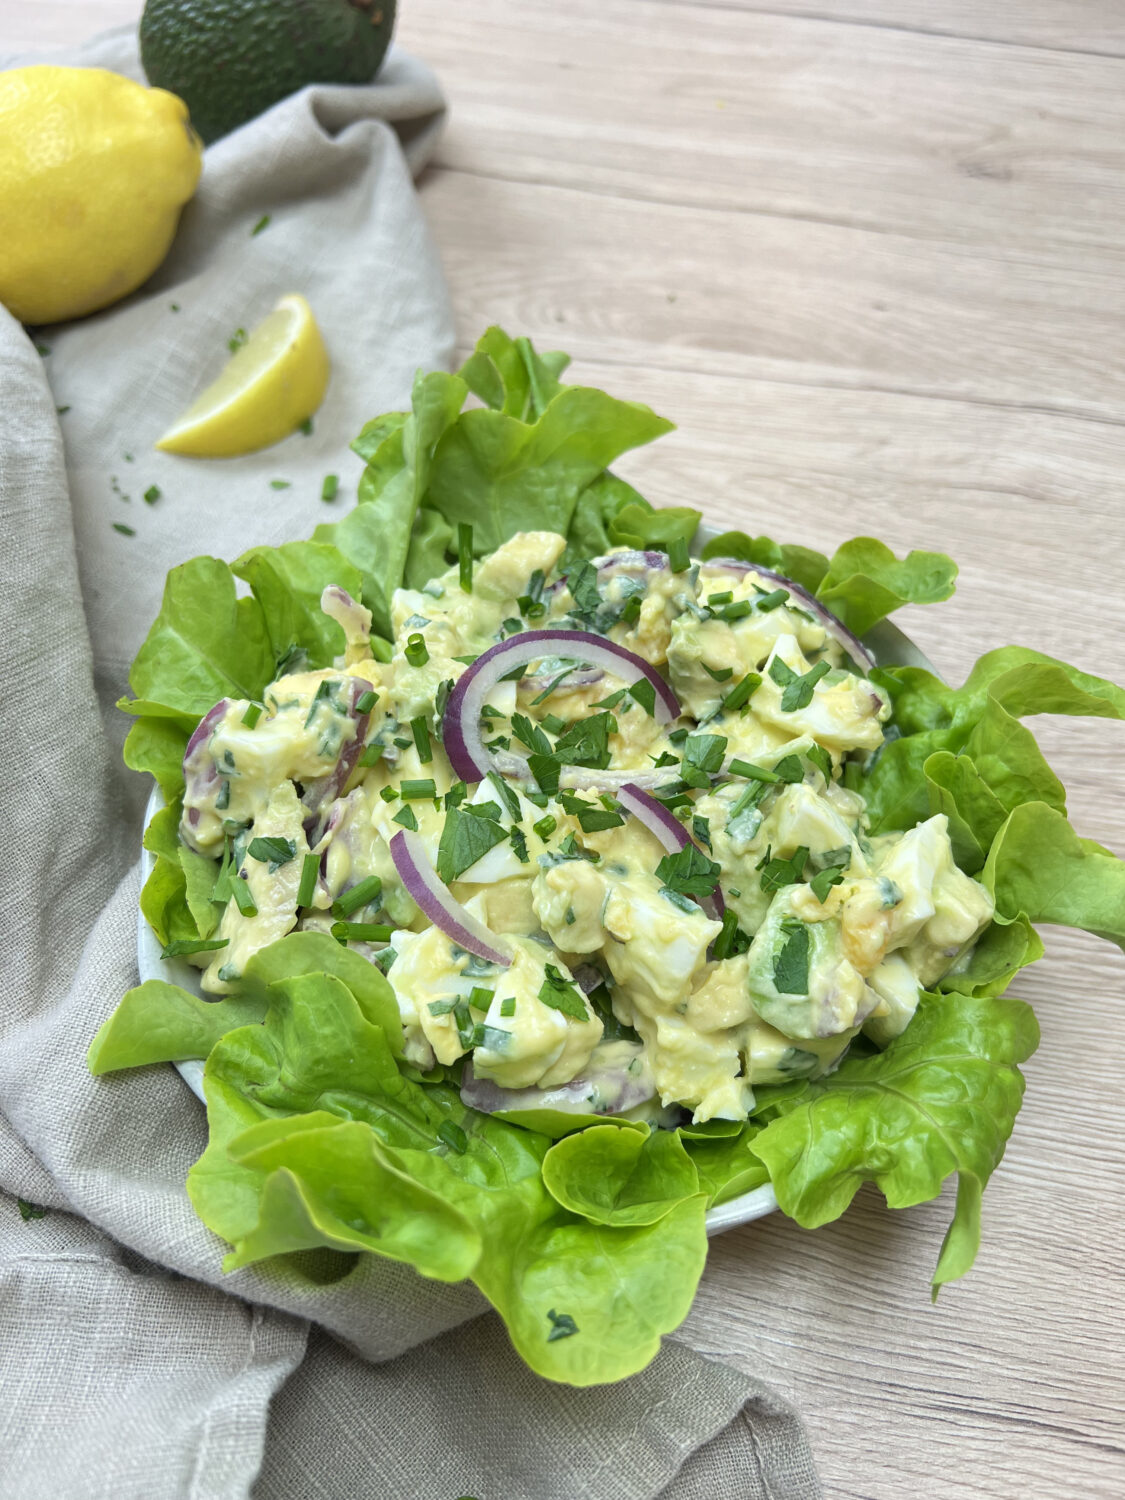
267 388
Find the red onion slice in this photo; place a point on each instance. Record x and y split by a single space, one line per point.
461 732
408 850
832 624
669 833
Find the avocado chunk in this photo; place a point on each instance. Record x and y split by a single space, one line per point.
231 60
799 980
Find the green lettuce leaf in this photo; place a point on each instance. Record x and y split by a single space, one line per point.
164 897
318 1139
205 644
509 376
942 1098
721 1153
801 564
1039 870
161 1023
612 1176
502 475
287 582
865 581
156 748
375 537
980 720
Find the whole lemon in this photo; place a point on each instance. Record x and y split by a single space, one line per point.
94 170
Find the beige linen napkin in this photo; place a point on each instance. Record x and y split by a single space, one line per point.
130 1365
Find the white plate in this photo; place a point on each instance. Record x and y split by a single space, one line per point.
889 646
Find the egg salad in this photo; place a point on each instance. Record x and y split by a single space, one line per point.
655 888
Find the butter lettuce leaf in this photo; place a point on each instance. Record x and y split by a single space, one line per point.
318 1139
205 644
865 581
612 1176
980 719
942 1098
287 582
802 564
160 1023
1039 870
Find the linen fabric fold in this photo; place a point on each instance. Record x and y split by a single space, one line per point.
131 1365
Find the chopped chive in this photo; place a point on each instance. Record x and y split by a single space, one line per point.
389 794
550 688
553 724
416 651
742 691
123 529
724 598
406 817
366 893
305 427
724 943
361 932
736 611
175 306
480 998
330 487
508 1005
279 484
678 556
366 701
751 771
772 600
453 1136
236 340
422 740
632 611
401 743
372 755
263 223
310 868
465 556
242 897
252 715
152 494
182 946
414 791
546 826
62 410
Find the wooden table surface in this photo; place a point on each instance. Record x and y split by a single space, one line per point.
870 256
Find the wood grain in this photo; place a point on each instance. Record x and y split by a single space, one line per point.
868 255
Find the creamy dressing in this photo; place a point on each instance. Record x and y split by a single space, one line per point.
616 974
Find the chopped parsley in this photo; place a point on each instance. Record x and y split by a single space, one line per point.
777 872
152 494
820 758
688 872
464 840
563 995
519 843
583 585
797 689
274 852
791 963
406 817
823 881
562 1326
643 692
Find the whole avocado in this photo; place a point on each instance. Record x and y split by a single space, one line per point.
230 60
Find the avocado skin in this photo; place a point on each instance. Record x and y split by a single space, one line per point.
230 60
